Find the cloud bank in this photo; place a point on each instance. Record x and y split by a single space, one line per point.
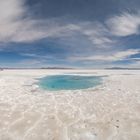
117 56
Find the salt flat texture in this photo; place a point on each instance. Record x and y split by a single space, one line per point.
109 112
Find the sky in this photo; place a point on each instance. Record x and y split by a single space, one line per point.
70 33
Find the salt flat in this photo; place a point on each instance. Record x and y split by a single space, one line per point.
109 112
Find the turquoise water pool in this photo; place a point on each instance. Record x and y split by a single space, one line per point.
69 82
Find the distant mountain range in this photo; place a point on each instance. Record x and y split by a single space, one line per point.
37 68
120 68
66 68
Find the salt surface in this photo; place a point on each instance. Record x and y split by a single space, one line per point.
28 113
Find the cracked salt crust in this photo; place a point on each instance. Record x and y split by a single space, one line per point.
110 112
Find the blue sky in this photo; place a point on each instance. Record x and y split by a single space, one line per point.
70 33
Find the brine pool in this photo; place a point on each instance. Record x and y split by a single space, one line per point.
69 82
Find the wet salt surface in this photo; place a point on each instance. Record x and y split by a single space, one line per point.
109 113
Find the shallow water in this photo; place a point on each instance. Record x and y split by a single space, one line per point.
69 82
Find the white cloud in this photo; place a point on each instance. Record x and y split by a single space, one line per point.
36 56
136 64
11 10
95 32
122 55
98 34
17 26
124 24
29 62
